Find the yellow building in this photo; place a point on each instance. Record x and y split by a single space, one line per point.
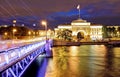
93 32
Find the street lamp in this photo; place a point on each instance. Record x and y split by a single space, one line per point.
29 33
14 30
14 22
23 25
49 33
44 23
5 35
34 24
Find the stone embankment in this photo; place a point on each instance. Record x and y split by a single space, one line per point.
72 43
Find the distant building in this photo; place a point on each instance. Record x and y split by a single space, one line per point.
85 28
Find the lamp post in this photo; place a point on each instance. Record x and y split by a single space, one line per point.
14 30
5 35
44 23
29 33
23 25
14 22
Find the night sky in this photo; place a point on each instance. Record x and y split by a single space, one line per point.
29 12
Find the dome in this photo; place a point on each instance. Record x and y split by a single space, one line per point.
80 22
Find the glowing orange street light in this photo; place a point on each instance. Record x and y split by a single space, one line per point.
29 32
14 30
5 33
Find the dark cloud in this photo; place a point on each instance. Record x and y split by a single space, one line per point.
31 11
42 7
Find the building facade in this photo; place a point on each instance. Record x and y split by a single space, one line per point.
86 29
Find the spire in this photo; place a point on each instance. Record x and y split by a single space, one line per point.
78 7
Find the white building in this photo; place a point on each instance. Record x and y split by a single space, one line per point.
85 28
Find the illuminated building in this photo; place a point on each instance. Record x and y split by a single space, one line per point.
90 31
87 30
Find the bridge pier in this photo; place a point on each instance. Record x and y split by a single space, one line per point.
48 50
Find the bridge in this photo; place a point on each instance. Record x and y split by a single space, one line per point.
14 62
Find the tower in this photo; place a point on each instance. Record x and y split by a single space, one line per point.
78 7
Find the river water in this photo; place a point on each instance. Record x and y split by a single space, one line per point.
78 61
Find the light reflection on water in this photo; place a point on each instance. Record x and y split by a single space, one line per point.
79 61
84 61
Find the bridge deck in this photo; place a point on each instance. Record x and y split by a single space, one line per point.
12 56
14 62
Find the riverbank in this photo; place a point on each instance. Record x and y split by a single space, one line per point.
73 43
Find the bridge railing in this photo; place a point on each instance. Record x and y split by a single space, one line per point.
11 55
